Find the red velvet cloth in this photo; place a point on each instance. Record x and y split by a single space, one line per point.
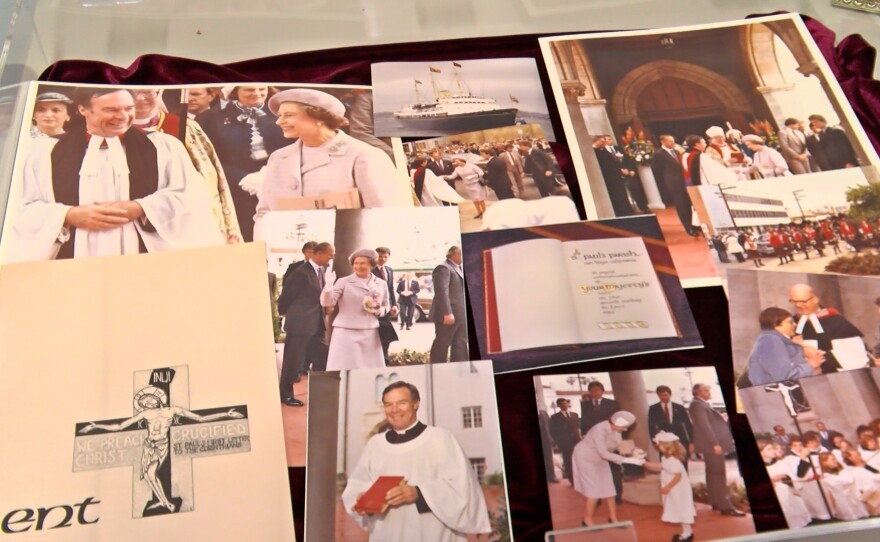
851 61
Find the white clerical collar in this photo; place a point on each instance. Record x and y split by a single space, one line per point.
407 429
802 322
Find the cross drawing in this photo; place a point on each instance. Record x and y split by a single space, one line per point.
160 440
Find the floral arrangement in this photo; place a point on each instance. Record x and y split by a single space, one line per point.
763 129
637 146
372 303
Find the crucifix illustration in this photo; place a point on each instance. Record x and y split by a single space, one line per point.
160 440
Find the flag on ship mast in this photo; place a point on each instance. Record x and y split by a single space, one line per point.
417 81
456 64
513 98
433 69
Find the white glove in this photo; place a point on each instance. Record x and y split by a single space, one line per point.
329 276
637 461
252 182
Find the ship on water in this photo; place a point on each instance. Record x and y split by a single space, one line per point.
458 109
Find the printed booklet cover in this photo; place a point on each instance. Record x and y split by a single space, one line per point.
139 394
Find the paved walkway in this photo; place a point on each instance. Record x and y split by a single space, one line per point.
567 509
692 257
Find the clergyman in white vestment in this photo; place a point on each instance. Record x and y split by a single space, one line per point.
441 500
108 190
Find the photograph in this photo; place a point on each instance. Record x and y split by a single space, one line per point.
787 225
356 288
499 178
406 453
562 293
787 326
654 114
641 455
818 437
149 169
445 97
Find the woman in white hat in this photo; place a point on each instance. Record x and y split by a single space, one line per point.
767 161
51 113
325 159
590 459
361 298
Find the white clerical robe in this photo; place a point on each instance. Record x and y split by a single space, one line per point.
179 209
435 463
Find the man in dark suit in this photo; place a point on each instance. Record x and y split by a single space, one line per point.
307 250
672 418
496 174
387 335
300 302
712 439
667 170
448 310
439 166
613 169
595 408
540 166
407 297
825 435
834 150
781 438
565 430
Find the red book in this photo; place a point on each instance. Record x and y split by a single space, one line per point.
373 500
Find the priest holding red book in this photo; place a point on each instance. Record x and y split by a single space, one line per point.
438 498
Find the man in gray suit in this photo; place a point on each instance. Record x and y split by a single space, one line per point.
300 302
793 146
447 310
712 439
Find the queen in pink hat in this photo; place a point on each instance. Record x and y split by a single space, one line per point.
324 159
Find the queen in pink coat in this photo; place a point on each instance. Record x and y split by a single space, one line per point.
361 299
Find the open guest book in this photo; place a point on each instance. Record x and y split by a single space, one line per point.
578 292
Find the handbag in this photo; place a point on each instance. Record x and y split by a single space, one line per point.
387 333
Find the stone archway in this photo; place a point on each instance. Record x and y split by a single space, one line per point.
624 98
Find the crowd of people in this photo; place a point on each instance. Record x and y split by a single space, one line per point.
786 241
720 157
806 343
348 323
493 168
592 462
822 474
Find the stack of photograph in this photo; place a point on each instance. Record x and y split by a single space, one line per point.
604 287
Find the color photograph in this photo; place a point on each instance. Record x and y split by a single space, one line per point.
447 97
406 453
787 326
650 451
499 178
655 114
357 288
818 437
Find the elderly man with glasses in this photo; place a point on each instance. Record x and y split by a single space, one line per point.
825 328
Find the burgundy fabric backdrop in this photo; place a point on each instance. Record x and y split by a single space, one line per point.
852 61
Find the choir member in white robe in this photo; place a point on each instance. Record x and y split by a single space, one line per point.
590 458
841 489
793 507
802 471
441 499
108 219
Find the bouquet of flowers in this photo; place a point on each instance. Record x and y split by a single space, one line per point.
637 146
763 129
372 303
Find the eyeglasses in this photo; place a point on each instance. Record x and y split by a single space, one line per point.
144 93
802 301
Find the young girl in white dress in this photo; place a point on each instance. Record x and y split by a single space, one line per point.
675 486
